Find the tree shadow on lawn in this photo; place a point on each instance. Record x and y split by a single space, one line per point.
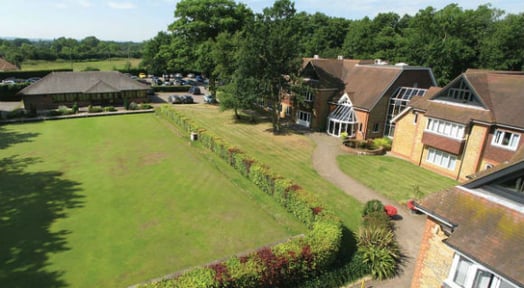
29 204
8 138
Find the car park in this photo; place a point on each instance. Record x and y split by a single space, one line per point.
210 99
175 99
187 99
195 90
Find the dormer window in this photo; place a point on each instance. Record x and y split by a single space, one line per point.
460 93
506 139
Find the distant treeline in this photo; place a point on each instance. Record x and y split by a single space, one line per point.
90 48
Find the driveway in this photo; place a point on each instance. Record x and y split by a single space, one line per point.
409 228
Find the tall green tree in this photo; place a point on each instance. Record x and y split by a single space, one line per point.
268 62
198 23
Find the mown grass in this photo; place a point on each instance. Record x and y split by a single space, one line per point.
395 178
288 155
113 201
102 65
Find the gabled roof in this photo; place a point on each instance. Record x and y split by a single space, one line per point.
487 227
500 94
365 81
7 66
83 82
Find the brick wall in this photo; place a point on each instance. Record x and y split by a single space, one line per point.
473 151
434 259
407 141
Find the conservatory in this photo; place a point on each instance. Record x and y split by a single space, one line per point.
343 118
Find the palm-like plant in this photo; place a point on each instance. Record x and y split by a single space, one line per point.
380 251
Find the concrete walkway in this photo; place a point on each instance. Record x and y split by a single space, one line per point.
409 228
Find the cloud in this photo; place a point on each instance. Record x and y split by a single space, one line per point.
121 5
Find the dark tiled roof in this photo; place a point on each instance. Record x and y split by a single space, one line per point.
502 94
7 66
83 82
487 232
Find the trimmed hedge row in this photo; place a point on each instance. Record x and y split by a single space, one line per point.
28 74
284 265
8 92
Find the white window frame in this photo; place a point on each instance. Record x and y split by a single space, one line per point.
303 118
446 128
473 269
498 139
308 96
442 159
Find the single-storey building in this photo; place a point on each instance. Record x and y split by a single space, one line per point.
473 123
358 97
474 233
84 88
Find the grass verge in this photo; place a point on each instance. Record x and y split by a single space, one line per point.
395 178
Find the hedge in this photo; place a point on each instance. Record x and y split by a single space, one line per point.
8 92
29 74
284 265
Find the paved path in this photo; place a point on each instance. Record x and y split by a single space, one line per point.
409 229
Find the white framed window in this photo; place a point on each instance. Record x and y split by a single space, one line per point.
441 158
308 96
303 118
506 139
446 128
465 273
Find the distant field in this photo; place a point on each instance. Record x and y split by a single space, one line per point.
105 65
113 201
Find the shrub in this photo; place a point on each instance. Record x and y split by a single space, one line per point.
75 108
384 142
17 113
372 206
109 109
380 251
145 106
64 110
132 106
377 219
343 136
94 109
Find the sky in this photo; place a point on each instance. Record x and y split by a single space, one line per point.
139 20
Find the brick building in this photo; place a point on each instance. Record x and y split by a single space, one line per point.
84 88
474 232
473 123
354 96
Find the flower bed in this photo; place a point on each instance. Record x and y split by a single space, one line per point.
361 147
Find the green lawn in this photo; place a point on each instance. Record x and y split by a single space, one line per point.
105 65
395 178
288 155
113 201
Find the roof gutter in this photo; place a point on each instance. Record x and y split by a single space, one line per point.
435 216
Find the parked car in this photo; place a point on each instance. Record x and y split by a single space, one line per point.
210 99
190 75
187 99
142 75
195 90
199 78
175 99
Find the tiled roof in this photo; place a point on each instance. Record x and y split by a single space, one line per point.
83 82
7 66
487 232
364 80
501 94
